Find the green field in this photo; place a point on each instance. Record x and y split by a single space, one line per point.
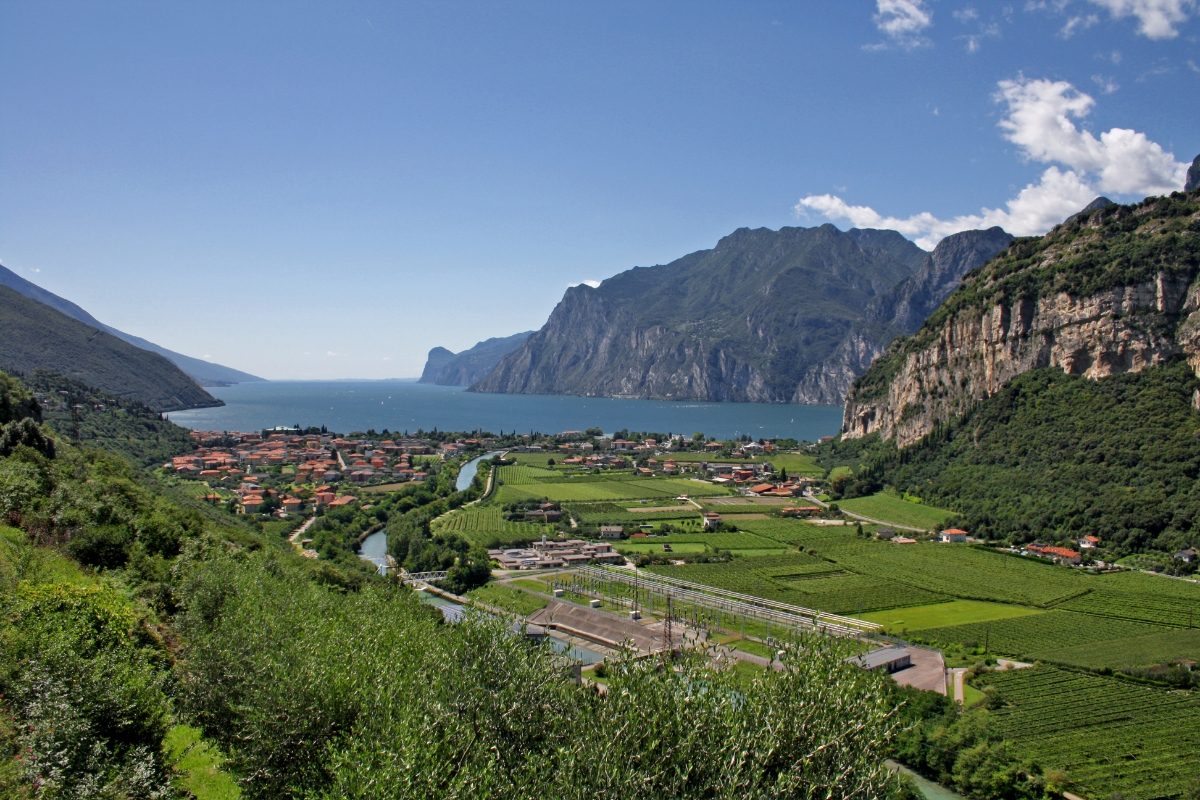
1066 637
615 488
803 580
890 508
486 525
508 598
1111 737
1134 595
655 545
938 615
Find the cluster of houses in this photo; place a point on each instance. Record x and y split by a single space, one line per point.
554 554
251 466
315 458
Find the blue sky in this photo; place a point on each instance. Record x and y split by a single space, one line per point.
309 190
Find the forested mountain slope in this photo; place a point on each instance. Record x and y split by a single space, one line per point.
34 336
203 372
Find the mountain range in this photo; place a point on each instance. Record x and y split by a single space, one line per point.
447 368
1112 291
205 373
787 316
34 336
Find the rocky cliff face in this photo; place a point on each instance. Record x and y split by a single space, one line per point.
446 368
1193 176
789 316
1110 292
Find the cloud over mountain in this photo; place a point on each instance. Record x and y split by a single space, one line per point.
1042 120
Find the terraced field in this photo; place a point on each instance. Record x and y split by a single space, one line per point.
1111 737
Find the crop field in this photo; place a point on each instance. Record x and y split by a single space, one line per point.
629 488
656 544
1055 636
508 598
715 541
484 524
891 508
1166 646
803 534
1111 737
803 580
1133 595
964 572
623 513
939 615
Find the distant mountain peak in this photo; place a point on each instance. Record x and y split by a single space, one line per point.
1193 176
447 368
204 372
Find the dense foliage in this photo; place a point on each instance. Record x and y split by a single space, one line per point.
1053 456
97 419
368 695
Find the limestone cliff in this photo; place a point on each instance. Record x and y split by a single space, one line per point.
788 316
446 368
1116 290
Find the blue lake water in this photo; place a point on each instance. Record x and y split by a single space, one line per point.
405 405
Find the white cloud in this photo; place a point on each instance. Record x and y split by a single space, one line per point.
902 21
592 282
1077 23
1040 120
1106 84
1157 19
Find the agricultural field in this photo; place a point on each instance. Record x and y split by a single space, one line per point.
803 534
1165 647
486 525
1133 595
628 513
803 580
939 615
584 490
735 542
964 572
1111 737
890 508
1065 637
655 545
508 598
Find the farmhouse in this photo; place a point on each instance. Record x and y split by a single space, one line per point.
889 659
952 535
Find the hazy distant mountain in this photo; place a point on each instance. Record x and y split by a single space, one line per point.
787 316
446 368
35 336
204 372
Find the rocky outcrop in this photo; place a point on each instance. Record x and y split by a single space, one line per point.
788 316
1193 176
446 368
1113 292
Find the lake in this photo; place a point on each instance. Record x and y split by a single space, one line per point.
405 405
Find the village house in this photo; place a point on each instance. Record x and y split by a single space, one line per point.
952 535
